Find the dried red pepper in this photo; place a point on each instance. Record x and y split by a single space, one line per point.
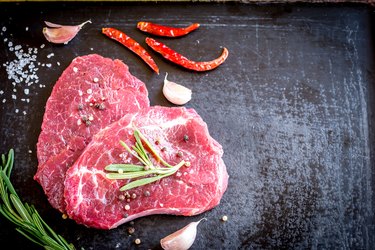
179 59
131 44
160 30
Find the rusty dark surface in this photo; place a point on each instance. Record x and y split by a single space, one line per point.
293 107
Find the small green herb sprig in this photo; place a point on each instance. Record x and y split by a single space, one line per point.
25 217
150 172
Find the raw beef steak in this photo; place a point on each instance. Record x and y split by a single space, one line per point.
89 95
96 201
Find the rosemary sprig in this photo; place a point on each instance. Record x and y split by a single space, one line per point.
148 171
28 221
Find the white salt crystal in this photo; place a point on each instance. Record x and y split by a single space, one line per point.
26 91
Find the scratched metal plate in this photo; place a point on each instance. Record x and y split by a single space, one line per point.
293 107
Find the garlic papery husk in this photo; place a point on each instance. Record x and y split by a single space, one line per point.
57 33
176 93
182 239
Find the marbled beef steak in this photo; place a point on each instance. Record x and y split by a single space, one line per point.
89 95
96 201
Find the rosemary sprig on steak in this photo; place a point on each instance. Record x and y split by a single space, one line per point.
148 171
28 221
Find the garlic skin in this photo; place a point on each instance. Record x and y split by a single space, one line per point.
57 33
182 239
176 93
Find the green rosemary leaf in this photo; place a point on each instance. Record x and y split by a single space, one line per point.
141 182
38 223
3 160
153 151
7 182
124 167
20 208
139 145
52 243
9 164
132 175
131 152
140 155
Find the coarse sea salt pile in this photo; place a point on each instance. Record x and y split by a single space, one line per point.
22 71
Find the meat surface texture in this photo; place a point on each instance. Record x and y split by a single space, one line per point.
91 93
96 201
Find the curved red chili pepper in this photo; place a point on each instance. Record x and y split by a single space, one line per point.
131 44
160 30
179 59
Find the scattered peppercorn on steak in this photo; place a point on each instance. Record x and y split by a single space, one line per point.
91 93
176 135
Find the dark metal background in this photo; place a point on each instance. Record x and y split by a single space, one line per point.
293 107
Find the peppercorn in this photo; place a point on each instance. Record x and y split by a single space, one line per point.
179 154
100 106
131 230
134 195
80 106
146 193
224 218
186 138
121 197
137 241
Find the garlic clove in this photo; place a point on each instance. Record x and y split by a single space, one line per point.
57 33
176 93
182 239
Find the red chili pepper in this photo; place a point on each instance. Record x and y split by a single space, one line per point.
179 59
160 30
131 44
